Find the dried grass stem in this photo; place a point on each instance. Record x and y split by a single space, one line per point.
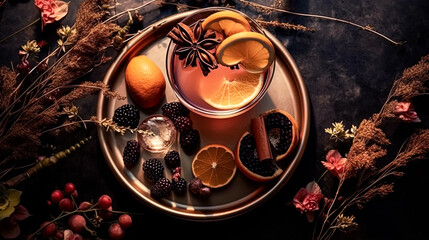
366 28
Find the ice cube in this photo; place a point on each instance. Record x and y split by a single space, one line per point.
156 133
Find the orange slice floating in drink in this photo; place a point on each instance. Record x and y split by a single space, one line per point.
236 90
215 165
226 22
252 50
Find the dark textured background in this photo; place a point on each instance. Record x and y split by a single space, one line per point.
348 73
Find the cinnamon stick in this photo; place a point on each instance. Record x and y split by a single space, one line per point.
261 138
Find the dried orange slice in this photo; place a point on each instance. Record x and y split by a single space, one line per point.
214 164
284 145
283 133
252 50
247 161
236 91
226 22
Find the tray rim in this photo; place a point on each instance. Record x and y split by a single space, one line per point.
229 213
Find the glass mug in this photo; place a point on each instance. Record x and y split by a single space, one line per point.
187 84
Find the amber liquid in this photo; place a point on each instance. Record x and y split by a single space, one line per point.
196 87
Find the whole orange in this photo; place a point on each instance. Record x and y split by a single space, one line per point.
145 81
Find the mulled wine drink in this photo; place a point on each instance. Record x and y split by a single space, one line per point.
219 62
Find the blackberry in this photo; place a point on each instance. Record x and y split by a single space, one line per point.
178 185
161 188
131 153
190 140
127 116
172 159
183 123
250 159
153 169
173 110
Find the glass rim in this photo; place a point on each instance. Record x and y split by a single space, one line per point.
220 113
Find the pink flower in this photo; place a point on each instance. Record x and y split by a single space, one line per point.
9 227
51 10
307 199
405 111
335 163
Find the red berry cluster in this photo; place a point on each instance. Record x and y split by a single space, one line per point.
77 217
64 198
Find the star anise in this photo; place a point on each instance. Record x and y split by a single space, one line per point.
195 45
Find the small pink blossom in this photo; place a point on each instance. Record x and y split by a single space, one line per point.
51 10
307 199
405 111
335 163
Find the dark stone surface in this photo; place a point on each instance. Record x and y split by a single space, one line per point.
348 73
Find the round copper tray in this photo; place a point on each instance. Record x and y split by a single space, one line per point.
287 91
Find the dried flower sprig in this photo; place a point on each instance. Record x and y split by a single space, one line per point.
29 110
24 109
65 32
29 48
339 133
71 112
371 144
112 126
412 83
120 14
284 25
344 223
371 184
107 123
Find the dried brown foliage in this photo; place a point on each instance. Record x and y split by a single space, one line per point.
87 16
413 81
31 109
371 145
371 141
23 143
284 25
380 191
81 58
82 90
368 145
7 85
416 148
